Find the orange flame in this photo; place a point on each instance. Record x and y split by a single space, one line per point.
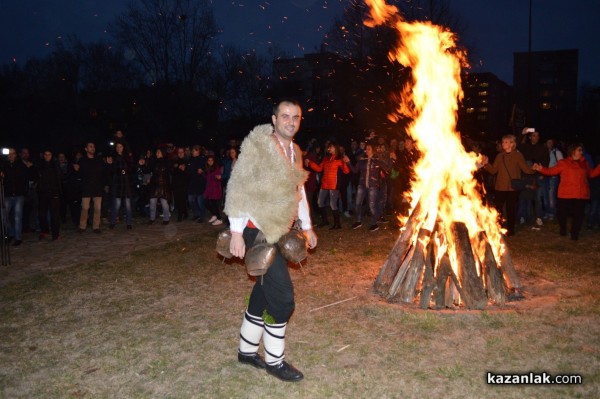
444 183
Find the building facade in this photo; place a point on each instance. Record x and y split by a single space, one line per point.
545 90
486 109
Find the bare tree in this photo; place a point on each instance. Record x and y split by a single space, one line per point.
242 84
105 68
169 39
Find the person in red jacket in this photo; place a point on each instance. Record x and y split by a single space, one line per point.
573 189
331 165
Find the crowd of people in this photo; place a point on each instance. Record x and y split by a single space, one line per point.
351 179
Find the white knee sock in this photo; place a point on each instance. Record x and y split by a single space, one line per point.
250 334
274 340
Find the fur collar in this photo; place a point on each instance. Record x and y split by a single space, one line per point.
263 185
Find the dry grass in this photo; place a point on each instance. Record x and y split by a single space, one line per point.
164 324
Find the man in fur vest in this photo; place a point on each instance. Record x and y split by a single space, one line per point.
266 193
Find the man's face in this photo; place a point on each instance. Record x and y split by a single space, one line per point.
180 153
24 154
62 158
47 156
12 155
287 120
90 148
534 137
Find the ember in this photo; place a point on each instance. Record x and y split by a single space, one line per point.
450 250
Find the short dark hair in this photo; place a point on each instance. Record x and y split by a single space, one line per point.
282 101
572 147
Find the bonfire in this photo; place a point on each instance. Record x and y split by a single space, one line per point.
450 250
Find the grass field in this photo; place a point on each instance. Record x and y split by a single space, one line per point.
164 323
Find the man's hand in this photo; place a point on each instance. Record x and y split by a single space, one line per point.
237 247
311 237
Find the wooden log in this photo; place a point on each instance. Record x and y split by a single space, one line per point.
471 284
439 288
495 285
508 268
428 281
401 247
407 291
393 289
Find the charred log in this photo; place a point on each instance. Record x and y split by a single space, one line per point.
472 293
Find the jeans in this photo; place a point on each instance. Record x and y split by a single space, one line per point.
165 208
373 200
16 205
334 196
116 206
49 203
552 187
197 204
538 199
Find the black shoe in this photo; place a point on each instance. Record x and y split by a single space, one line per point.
150 222
81 231
129 227
17 243
166 222
97 231
373 227
357 225
335 227
383 220
285 372
323 224
254 360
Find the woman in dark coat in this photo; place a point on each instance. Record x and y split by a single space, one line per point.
160 186
121 170
49 194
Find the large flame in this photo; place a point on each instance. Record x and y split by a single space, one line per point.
444 183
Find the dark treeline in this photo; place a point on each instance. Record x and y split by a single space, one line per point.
164 77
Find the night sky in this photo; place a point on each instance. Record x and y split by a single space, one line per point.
495 28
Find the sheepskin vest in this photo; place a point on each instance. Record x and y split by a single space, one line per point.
264 185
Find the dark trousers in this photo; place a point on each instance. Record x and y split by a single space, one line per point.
213 207
510 200
570 207
51 203
273 292
180 202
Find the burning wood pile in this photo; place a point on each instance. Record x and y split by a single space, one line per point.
450 250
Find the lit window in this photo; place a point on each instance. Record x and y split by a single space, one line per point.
483 109
484 84
482 93
470 110
484 101
545 105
